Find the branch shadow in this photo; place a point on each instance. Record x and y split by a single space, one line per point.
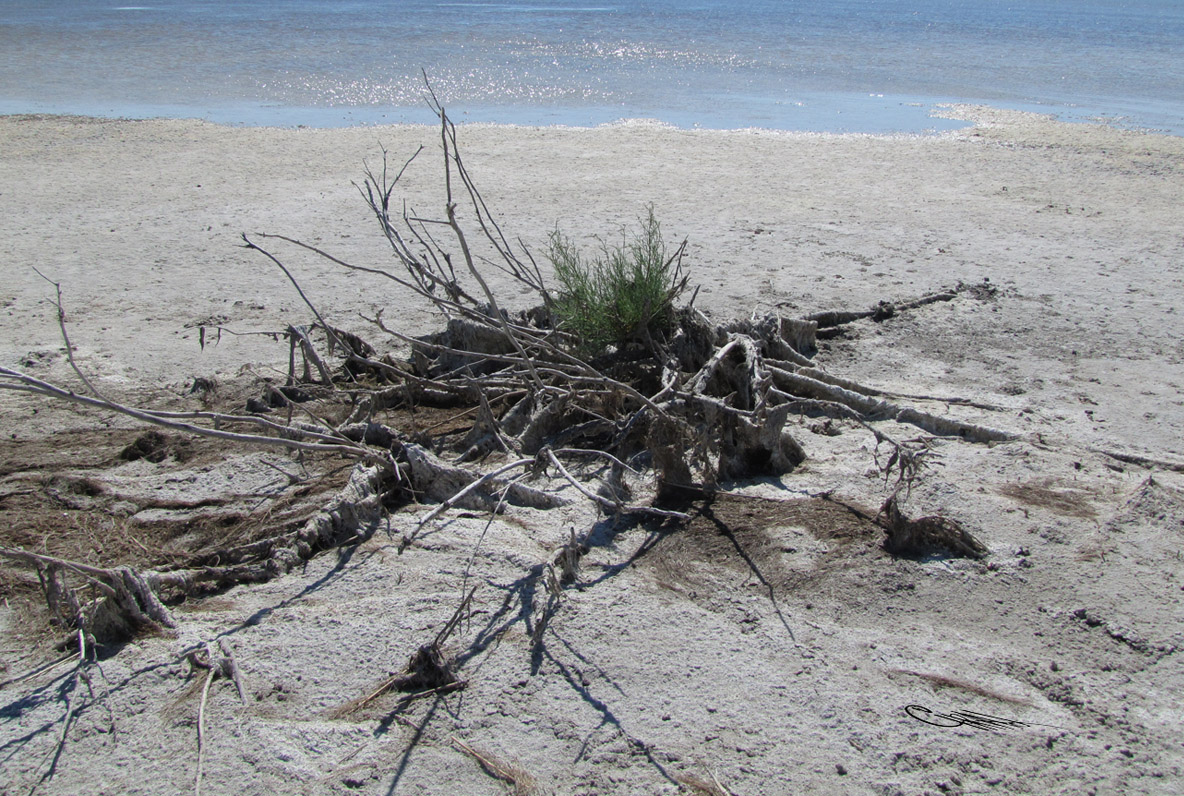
605 533
517 606
725 530
607 717
345 555
420 730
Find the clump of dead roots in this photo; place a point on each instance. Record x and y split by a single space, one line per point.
694 403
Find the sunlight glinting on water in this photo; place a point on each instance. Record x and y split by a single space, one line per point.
840 65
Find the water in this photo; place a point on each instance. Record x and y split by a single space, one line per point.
835 65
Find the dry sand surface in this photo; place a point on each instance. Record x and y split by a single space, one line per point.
773 645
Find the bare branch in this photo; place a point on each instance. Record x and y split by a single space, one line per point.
26 383
66 335
609 504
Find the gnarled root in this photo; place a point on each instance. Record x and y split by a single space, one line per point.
927 534
757 446
799 384
130 601
128 604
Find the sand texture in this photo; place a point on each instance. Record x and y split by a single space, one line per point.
773 645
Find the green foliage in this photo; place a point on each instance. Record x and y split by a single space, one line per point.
626 293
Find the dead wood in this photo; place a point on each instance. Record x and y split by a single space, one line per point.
611 505
130 602
698 403
749 448
438 481
871 408
779 338
352 512
127 604
926 535
298 335
428 671
1141 461
201 731
226 667
295 438
881 312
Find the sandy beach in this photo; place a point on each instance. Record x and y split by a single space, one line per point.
683 669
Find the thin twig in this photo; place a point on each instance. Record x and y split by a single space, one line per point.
66 335
459 496
333 340
448 136
30 384
201 724
501 501
598 453
230 664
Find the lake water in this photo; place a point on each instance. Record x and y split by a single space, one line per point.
839 65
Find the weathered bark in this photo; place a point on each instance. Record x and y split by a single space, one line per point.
758 446
128 604
436 480
873 408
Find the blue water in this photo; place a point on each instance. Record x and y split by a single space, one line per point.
834 65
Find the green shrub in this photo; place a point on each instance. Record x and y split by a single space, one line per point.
626 293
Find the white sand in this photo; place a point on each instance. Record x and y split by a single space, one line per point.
1080 227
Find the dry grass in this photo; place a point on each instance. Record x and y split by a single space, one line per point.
1040 494
740 534
944 681
517 779
702 787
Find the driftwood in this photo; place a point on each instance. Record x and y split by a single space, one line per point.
697 403
225 667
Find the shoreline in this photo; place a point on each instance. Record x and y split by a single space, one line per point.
868 114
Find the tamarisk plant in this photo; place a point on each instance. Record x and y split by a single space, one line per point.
626 293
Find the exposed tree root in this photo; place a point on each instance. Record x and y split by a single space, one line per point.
1142 461
697 403
225 667
871 408
927 535
428 671
881 312
130 602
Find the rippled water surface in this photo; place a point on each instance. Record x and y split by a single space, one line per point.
864 65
